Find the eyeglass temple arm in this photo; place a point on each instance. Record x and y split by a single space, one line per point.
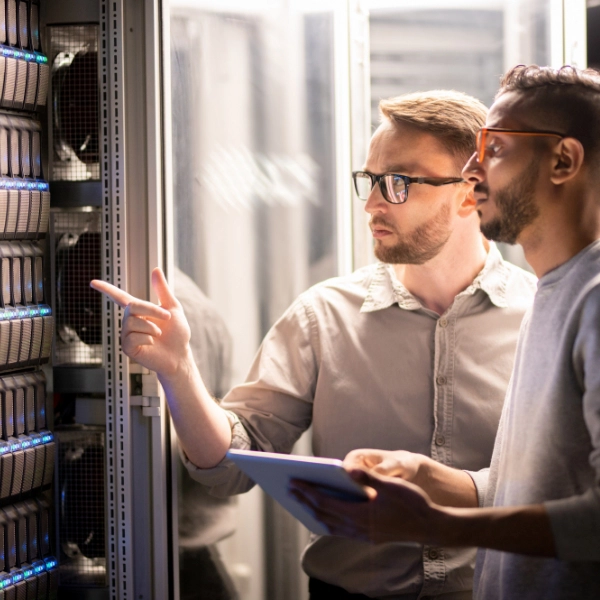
435 180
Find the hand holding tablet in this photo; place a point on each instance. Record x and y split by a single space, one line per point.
273 473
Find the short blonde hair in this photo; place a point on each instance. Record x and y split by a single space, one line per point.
453 117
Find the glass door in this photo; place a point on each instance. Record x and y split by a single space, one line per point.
261 121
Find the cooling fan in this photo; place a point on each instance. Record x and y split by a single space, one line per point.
75 104
78 308
81 504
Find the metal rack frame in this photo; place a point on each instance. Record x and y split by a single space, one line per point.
133 193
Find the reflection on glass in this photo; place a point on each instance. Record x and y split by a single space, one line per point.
254 202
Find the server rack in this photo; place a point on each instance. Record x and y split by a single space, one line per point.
28 567
111 489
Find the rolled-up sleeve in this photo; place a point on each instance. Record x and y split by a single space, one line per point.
480 479
274 406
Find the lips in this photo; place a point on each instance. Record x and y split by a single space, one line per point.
379 230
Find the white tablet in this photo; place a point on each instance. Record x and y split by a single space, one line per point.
273 473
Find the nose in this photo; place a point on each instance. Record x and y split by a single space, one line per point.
473 171
376 202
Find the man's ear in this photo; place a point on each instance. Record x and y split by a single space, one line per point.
567 160
468 204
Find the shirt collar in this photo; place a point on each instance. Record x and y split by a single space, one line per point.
385 289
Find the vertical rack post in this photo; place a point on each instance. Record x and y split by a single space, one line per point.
118 475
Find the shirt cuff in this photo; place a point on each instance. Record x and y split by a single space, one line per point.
240 440
480 479
575 523
224 479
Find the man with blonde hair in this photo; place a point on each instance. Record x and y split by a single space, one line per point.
390 356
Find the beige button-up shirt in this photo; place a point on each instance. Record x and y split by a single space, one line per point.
368 366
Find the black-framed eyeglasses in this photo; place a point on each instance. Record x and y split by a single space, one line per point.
394 187
483 133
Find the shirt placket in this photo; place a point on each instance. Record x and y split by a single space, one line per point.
434 566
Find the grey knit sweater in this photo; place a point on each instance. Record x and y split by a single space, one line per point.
548 444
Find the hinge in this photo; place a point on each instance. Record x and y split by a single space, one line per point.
146 392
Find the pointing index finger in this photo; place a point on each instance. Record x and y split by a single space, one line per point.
123 299
118 296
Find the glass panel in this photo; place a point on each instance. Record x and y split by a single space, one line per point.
255 225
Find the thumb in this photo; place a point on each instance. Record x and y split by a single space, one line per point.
161 287
366 478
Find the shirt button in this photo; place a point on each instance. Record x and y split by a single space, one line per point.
434 554
440 380
443 322
440 440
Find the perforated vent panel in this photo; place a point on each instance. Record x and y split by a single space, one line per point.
74 71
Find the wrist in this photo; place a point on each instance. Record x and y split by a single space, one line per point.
449 527
178 369
424 472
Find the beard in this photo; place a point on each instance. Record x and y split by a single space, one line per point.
516 207
420 245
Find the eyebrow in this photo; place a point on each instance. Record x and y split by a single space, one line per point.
393 169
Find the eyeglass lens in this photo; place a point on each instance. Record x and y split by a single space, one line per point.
396 188
363 184
480 141
393 188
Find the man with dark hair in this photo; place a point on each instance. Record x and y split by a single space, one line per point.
386 356
536 175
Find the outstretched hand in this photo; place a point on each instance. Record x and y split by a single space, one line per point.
155 336
397 511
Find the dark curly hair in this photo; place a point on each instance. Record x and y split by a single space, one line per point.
565 100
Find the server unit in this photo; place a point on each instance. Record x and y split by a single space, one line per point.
28 567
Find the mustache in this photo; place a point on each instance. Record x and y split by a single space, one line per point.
377 220
480 188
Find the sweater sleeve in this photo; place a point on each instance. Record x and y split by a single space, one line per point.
480 479
575 521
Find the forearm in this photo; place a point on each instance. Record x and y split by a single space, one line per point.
445 485
201 424
521 529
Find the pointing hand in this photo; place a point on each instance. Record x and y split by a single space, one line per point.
155 336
